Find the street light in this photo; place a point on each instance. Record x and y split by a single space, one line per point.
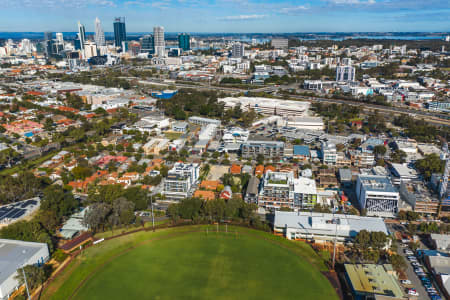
153 216
26 282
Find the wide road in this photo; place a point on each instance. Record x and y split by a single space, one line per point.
434 118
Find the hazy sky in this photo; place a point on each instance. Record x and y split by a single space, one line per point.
229 15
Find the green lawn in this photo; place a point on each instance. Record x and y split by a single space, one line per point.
186 263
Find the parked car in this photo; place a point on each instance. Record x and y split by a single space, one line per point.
413 292
407 282
416 264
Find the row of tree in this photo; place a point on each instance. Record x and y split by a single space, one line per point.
217 210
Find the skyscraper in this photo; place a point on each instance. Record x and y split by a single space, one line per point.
120 33
99 34
48 43
60 38
184 41
147 44
81 35
160 44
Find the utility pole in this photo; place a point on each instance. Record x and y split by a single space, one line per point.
26 282
334 246
153 216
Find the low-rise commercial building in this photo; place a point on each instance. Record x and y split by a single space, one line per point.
203 121
322 227
377 195
14 255
370 281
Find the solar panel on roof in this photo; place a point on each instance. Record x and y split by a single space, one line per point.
19 214
12 212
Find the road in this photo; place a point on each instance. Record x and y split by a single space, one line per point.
434 118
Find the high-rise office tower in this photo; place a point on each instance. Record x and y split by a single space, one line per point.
237 50
147 44
48 43
25 46
60 38
81 34
120 33
99 33
184 41
160 44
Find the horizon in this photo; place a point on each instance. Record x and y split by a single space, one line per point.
263 16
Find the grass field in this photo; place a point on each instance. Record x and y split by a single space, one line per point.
187 263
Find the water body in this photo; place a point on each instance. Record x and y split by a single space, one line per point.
260 38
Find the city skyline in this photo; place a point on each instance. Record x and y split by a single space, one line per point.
230 15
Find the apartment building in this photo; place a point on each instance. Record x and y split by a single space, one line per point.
281 189
269 149
180 180
329 153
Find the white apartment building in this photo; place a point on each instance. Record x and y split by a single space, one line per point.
159 42
329 153
180 181
281 189
268 106
235 135
345 73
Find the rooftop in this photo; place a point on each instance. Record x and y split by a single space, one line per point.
374 183
13 254
322 223
373 279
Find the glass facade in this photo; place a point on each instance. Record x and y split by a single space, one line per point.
120 33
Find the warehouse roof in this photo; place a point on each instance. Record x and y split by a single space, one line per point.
325 224
373 279
13 254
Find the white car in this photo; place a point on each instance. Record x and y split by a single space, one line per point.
413 292
418 270
416 264
407 282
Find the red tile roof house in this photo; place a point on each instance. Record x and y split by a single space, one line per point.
235 169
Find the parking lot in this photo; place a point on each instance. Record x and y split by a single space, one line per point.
416 283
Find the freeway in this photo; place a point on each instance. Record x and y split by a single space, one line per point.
434 118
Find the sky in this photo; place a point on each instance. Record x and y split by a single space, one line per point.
237 16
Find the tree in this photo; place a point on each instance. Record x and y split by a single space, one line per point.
398 262
81 172
61 202
378 240
430 164
48 125
97 215
35 275
362 240
260 159
398 156
379 150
